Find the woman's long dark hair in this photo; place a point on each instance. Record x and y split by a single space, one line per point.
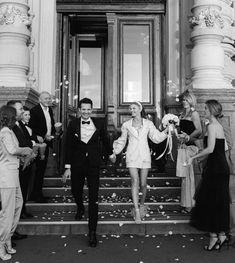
7 117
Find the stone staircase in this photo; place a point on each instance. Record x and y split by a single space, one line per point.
57 216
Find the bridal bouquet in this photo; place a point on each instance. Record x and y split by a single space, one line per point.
171 121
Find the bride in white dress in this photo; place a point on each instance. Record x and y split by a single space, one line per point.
136 131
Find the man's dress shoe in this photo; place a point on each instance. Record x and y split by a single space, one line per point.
79 214
92 239
18 236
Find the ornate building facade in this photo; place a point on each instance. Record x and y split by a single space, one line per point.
117 51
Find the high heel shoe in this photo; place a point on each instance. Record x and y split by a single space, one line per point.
143 211
223 242
3 255
9 249
215 244
137 217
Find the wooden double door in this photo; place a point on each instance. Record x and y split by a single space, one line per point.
112 58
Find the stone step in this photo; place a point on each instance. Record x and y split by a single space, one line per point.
112 194
71 207
165 227
124 172
110 222
119 181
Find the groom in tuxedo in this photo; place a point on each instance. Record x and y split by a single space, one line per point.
82 160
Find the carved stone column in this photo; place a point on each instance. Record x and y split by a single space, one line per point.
14 37
227 13
207 57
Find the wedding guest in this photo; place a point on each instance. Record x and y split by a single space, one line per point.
211 211
228 139
83 158
190 130
24 141
42 124
136 131
10 192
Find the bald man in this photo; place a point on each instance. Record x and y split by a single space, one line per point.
42 124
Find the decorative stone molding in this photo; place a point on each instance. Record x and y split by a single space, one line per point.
207 56
208 17
15 35
9 14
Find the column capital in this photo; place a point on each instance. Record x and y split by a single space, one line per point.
15 14
111 18
208 17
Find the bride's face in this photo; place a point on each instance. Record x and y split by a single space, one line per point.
135 110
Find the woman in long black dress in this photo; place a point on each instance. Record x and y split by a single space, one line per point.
211 212
190 130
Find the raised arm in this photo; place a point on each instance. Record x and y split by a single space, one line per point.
12 147
155 135
119 144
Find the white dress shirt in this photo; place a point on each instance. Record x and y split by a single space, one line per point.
48 119
87 130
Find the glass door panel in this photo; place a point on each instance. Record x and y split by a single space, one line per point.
136 63
90 72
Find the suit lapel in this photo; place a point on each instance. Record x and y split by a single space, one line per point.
132 129
42 116
95 122
78 128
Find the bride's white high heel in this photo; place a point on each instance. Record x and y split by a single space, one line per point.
137 217
10 250
3 255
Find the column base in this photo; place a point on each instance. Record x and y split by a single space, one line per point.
27 95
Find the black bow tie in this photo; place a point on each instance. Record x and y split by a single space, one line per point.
85 122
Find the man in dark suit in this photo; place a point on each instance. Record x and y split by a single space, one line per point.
42 124
82 158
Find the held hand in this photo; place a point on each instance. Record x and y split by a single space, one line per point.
40 139
28 151
190 161
112 158
48 138
66 175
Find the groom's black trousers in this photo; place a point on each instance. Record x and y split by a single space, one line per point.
78 175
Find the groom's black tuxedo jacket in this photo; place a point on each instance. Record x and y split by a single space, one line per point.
77 152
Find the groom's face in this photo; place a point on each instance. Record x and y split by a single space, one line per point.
85 111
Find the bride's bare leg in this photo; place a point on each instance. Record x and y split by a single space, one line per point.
135 193
143 184
134 186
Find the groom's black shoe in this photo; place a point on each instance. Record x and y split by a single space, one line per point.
92 239
79 214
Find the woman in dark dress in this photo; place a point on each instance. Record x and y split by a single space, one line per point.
211 212
190 130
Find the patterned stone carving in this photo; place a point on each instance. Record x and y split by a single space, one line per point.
207 18
110 1
9 14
